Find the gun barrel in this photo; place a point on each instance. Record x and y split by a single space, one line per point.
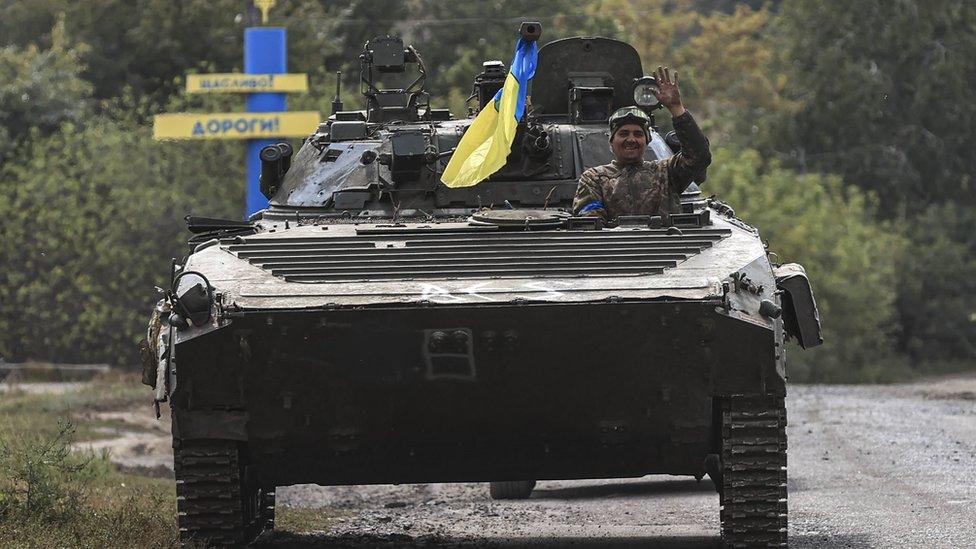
270 169
530 30
337 100
286 151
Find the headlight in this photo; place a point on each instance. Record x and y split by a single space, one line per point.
644 92
193 296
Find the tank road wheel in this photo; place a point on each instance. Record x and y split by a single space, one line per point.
511 489
217 505
753 496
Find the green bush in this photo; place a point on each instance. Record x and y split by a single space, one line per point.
850 257
937 287
92 217
34 478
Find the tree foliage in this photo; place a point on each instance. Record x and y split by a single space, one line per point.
733 80
886 100
726 63
40 89
888 96
92 217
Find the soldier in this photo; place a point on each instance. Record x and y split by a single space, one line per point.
631 186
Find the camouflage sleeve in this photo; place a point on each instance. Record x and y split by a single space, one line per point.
694 156
589 197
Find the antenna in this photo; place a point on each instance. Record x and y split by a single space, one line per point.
337 101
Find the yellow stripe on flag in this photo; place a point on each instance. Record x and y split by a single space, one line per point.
487 142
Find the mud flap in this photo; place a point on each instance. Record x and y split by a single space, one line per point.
800 316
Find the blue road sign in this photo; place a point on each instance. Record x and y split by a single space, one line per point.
265 52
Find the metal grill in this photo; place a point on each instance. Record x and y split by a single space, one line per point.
418 255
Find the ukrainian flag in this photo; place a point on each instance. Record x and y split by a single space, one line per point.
487 142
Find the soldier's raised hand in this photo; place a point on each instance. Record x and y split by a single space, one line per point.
667 91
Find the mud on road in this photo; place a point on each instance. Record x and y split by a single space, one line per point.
869 466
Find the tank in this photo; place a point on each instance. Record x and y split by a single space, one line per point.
374 326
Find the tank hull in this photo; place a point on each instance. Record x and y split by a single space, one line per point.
374 325
473 393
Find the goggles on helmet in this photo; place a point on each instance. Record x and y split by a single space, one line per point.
629 115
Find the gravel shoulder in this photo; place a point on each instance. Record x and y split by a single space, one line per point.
884 466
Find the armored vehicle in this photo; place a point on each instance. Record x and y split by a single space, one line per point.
374 326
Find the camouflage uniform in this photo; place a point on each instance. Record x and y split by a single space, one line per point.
648 188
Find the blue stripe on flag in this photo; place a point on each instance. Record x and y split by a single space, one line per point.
523 69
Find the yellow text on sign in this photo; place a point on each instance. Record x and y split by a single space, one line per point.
236 125
246 83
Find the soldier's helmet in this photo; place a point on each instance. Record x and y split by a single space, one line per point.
629 115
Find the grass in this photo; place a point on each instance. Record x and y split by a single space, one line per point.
945 367
892 370
52 497
297 519
22 412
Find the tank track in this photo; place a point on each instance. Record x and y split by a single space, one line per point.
217 505
268 508
753 496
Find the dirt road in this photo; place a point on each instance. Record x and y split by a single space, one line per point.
870 466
